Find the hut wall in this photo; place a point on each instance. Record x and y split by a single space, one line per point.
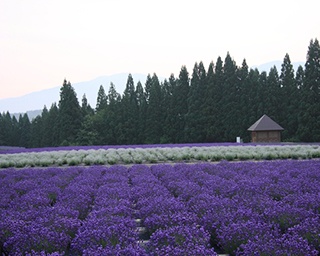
266 136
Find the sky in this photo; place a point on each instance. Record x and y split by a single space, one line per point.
44 42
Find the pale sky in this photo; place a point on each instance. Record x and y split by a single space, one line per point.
42 42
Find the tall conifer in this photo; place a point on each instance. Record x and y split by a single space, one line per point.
70 116
102 99
155 115
195 119
309 119
288 100
180 99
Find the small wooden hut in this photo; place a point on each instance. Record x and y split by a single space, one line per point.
265 130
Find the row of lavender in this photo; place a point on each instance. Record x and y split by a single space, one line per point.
86 211
266 208
138 155
14 150
245 208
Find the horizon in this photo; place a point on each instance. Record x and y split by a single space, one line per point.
48 96
126 73
44 42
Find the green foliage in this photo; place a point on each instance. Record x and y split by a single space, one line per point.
102 99
216 105
154 112
87 134
309 124
195 120
128 125
179 98
86 109
70 116
289 103
24 127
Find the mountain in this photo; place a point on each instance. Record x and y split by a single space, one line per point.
267 66
37 100
31 114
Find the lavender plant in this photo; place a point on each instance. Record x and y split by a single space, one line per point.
239 208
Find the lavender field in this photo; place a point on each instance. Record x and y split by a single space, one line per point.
237 208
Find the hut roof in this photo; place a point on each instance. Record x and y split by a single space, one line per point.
265 123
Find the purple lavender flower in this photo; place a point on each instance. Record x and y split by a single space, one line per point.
245 208
180 239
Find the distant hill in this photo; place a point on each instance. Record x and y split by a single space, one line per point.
267 66
37 100
34 102
31 114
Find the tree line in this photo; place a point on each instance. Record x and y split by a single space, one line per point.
216 104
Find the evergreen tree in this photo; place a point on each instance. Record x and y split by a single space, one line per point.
242 104
154 117
273 106
6 129
113 96
302 105
148 86
217 131
9 133
299 79
88 135
262 93
167 111
102 99
106 123
14 132
309 121
195 120
142 111
51 130
36 132
288 100
70 116
213 102
180 101
113 115
210 105
86 109
231 98
168 101
46 131
252 100
129 113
